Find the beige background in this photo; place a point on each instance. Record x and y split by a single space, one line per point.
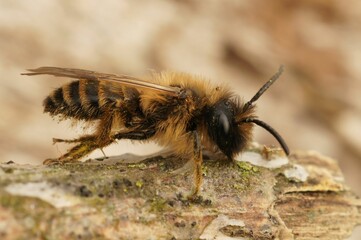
315 105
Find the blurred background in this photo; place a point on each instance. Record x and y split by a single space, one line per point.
316 105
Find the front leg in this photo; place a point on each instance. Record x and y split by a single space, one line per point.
197 160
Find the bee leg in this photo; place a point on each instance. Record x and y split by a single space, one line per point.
87 145
197 160
81 139
91 142
51 161
105 156
135 135
65 157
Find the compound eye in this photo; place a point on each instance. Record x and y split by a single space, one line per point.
223 121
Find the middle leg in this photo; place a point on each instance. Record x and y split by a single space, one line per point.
134 135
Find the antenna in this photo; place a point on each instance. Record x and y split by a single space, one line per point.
270 130
264 88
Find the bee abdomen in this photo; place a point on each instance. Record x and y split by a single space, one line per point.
78 99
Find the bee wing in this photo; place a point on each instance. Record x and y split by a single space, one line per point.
91 75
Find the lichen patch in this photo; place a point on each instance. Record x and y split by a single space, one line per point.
55 196
296 173
258 160
212 231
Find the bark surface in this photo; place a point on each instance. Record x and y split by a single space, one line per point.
262 195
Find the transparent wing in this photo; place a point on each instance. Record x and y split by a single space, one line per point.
92 75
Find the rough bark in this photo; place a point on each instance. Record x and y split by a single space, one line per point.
263 195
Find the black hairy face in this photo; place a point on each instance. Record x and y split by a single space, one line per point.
223 129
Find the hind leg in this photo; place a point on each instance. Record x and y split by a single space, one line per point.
86 146
82 139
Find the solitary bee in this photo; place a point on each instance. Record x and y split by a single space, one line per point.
176 110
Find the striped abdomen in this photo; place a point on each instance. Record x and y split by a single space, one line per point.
84 99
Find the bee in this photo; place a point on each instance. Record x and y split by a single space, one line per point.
176 110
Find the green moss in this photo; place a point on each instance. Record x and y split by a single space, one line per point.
138 165
158 205
162 166
204 170
245 166
255 169
28 209
248 177
9 201
238 186
139 183
8 170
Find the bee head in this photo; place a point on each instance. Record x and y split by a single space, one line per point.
229 124
224 129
